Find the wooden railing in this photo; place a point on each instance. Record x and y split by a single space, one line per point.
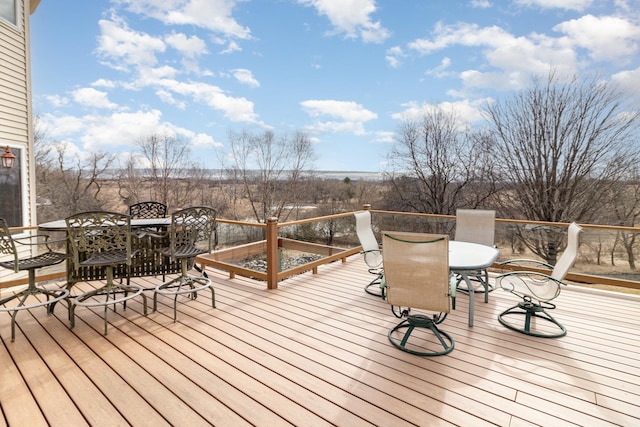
271 244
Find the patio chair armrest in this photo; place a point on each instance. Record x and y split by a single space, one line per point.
373 257
372 251
539 286
31 242
148 233
523 262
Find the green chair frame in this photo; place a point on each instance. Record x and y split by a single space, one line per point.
537 290
416 276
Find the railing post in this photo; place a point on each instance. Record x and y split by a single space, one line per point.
272 253
366 206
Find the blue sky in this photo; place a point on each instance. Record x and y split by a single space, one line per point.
107 73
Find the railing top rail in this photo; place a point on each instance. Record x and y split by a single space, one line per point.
243 223
415 214
314 219
515 221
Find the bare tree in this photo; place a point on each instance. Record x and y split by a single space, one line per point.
561 147
270 169
162 170
625 210
70 183
437 165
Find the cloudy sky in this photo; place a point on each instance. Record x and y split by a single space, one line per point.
107 73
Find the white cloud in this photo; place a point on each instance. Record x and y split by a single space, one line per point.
168 98
394 56
104 83
245 76
149 75
231 47
467 110
189 47
120 129
629 82
59 127
606 38
121 46
116 131
514 59
235 109
91 97
481 4
577 5
202 140
350 116
351 17
440 70
212 15
385 136
56 100
461 34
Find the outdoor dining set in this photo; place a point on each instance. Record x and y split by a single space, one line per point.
426 271
113 247
410 271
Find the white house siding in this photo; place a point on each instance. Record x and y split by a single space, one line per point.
15 103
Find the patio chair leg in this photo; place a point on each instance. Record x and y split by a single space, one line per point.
530 311
420 321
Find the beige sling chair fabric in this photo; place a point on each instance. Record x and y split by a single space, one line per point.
537 290
416 276
371 251
476 226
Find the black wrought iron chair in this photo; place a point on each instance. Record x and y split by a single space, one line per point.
476 226
193 231
30 264
145 210
371 252
416 276
537 290
101 239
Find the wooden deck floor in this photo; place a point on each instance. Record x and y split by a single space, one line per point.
315 352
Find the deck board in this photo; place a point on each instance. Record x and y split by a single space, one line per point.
315 352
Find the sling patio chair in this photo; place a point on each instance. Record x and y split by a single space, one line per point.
476 226
416 276
31 297
537 289
371 252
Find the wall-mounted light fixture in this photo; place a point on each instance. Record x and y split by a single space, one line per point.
8 159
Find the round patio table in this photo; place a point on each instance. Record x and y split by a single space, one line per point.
465 258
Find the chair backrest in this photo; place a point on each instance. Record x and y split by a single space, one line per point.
368 241
7 245
194 226
146 210
98 231
568 257
416 270
475 226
